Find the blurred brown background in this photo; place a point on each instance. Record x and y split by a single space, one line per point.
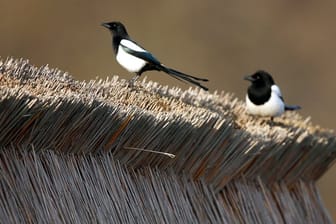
219 40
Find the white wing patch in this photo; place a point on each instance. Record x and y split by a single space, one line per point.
276 90
131 45
128 61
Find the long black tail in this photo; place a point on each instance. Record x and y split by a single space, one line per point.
287 107
184 77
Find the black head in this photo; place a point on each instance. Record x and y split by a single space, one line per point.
117 28
260 89
260 79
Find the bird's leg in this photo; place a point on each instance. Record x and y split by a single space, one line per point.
271 121
133 80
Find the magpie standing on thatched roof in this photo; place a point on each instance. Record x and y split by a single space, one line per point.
135 58
264 96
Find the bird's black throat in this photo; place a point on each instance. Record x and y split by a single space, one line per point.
115 43
259 94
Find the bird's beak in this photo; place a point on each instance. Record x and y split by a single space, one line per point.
249 78
106 25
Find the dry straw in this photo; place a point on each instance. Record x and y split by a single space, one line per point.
79 152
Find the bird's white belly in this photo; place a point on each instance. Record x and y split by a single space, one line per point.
272 108
129 62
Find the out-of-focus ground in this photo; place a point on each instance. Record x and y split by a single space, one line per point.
219 40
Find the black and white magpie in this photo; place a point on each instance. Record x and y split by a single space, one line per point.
264 97
135 58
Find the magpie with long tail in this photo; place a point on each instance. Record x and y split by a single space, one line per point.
264 97
136 59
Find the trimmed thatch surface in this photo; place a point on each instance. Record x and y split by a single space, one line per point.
63 154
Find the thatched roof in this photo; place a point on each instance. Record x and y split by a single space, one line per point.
67 154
